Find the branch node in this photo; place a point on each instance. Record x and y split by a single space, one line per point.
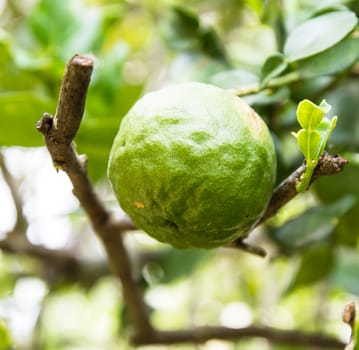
329 165
44 125
349 313
348 317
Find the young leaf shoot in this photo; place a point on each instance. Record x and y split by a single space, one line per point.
313 136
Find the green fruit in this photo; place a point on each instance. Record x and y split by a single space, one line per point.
193 165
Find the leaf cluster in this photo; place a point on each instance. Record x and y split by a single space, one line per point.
313 136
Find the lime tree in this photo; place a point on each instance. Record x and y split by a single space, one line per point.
193 165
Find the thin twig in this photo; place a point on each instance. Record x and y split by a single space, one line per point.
21 221
255 88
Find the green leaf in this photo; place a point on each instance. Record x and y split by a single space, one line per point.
308 142
319 34
345 102
267 98
309 114
322 256
101 121
315 224
313 137
334 60
234 78
330 189
71 29
195 66
211 43
345 275
19 113
182 30
273 66
179 28
62 25
325 128
176 263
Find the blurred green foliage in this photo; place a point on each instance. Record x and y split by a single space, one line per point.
280 53
5 337
35 49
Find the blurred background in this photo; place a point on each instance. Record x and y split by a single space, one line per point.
55 288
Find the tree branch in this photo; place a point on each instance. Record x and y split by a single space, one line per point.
57 265
202 334
286 190
59 132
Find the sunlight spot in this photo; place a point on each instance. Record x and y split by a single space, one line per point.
166 298
7 209
52 232
236 315
23 308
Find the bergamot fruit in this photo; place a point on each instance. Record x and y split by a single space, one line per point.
193 165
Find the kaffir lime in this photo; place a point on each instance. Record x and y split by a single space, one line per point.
193 165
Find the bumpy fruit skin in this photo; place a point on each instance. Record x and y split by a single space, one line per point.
193 165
